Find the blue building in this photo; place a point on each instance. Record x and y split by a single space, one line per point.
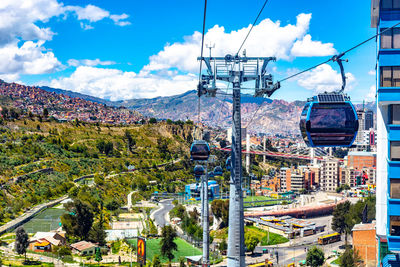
193 190
385 14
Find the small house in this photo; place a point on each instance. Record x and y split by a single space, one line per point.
83 248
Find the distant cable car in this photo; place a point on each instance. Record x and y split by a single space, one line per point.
329 119
198 171
199 150
218 171
228 164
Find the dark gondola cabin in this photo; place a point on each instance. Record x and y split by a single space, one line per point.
199 151
198 170
329 120
228 163
218 171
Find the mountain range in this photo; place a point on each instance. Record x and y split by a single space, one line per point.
273 116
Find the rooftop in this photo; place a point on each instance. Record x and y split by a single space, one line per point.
364 227
82 245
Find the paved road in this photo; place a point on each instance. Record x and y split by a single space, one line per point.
160 214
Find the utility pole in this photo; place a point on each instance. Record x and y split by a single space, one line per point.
235 70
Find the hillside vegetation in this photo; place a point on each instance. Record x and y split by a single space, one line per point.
71 150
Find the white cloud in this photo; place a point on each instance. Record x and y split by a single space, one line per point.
90 12
115 84
30 58
268 38
171 71
371 96
324 79
93 13
120 20
372 72
89 62
308 48
23 33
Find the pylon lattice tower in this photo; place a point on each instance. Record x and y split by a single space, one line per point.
236 70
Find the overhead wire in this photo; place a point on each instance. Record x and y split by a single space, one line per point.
251 28
341 54
201 61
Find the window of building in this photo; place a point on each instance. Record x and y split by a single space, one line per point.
395 188
390 76
395 225
390 4
395 150
390 38
394 114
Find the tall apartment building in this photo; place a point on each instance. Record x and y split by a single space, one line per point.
384 15
329 179
369 120
284 176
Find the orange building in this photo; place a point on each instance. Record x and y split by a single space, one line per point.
364 241
360 160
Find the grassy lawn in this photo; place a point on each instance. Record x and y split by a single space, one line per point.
154 247
337 261
274 239
19 263
45 221
256 198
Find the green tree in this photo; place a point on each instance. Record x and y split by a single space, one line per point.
340 220
79 219
108 148
223 245
98 256
220 209
182 262
21 241
156 261
45 112
168 245
153 120
97 234
101 146
315 257
349 258
251 241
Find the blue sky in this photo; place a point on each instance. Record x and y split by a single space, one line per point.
134 49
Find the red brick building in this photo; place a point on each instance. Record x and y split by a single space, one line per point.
364 241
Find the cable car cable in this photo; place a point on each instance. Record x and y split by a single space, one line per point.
251 28
201 53
340 55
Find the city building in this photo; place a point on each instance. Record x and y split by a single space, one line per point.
364 242
192 191
284 177
369 120
384 15
359 160
297 182
329 179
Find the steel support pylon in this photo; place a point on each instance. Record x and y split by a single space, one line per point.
236 248
205 218
235 70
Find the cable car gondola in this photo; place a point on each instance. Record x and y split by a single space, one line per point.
211 174
218 171
228 164
198 170
329 119
199 151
